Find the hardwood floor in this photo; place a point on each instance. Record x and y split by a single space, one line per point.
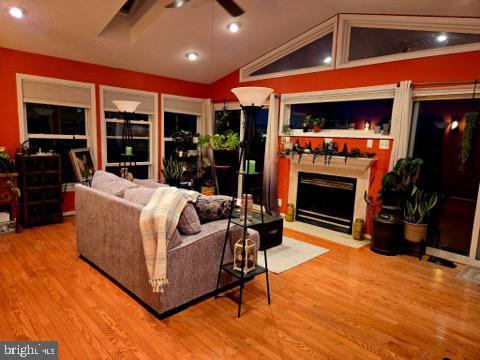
346 304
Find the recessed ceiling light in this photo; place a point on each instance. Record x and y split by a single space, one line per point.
442 38
17 12
233 27
327 60
192 56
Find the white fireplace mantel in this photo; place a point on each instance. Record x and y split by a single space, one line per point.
337 163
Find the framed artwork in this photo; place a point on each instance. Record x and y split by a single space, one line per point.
82 163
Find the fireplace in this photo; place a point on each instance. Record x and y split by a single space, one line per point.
325 200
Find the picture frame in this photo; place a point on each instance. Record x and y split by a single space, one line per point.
82 163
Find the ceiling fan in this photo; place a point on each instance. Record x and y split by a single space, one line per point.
229 5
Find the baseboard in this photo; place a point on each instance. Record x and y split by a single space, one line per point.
69 213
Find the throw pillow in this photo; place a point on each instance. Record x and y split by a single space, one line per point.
149 183
111 183
212 208
175 240
188 224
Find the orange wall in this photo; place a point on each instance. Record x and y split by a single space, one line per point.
451 67
12 62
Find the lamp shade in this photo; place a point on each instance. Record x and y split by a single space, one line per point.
126 105
252 95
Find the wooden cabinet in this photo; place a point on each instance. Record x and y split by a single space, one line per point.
9 197
40 181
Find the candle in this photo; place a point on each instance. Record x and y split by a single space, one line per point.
250 166
128 150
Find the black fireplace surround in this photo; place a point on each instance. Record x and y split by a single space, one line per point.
326 201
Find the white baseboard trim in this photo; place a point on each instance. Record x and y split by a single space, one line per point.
69 213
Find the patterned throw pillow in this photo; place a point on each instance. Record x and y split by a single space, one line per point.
214 207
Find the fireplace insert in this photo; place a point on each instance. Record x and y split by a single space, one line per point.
326 201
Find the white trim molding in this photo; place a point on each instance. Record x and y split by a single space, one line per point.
319 31
423 23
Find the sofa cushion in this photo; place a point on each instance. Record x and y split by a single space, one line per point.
149 183
212 208
111 183
188 224
175 240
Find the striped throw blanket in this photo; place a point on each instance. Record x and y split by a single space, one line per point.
158 222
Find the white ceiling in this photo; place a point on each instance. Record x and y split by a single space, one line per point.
70 28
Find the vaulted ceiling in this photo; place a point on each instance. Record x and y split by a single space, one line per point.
75 29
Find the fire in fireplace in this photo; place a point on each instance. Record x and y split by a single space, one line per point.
326 201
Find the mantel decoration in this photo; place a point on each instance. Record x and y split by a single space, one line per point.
327 150
128 156
243 267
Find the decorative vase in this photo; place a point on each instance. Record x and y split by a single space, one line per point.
290 213
387 230
358 229
415 232
317 128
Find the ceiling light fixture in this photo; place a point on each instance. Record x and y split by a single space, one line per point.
17 12
233 27
192 56
442 38
327 60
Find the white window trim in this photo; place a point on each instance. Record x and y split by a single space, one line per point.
451 93
289 47
350 94
426 23
200 117
153 128
90 113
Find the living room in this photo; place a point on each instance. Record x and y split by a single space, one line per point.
251 179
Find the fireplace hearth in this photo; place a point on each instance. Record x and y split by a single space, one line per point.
325 200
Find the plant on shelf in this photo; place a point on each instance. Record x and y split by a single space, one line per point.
7 167
172 171
184 141
316 123
225 147
287 130
416 214
472 121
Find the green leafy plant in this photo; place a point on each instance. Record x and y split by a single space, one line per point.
403 177
227 141
318 121
184 140
287 130
472 121
172 171
418 207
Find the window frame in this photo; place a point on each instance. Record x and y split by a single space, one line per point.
153 121
290 46
426 23
200 116
90 114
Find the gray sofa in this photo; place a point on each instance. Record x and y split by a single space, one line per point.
108 236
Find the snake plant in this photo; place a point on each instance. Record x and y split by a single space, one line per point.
418 207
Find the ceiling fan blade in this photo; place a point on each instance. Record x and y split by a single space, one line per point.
231 7
176 4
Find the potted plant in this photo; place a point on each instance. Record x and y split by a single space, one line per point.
185 143
172 171
225 147
416 214
316 123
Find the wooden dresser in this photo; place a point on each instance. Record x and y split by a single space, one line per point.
40 181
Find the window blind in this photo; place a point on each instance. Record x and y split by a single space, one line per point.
56 93
180 105
147 101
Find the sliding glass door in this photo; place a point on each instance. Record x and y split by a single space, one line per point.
440 130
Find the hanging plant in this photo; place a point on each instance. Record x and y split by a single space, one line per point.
471 123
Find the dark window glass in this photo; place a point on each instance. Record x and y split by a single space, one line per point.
345 114
439 145
139 171
372 42
169 149
229 120
114 149
316 53
62 147
54 119
174 122
116 129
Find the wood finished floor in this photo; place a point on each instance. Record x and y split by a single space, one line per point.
346 304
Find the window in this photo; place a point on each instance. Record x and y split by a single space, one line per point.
143 123
57 116
174 122
370 39
312 51
227 120
345 114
